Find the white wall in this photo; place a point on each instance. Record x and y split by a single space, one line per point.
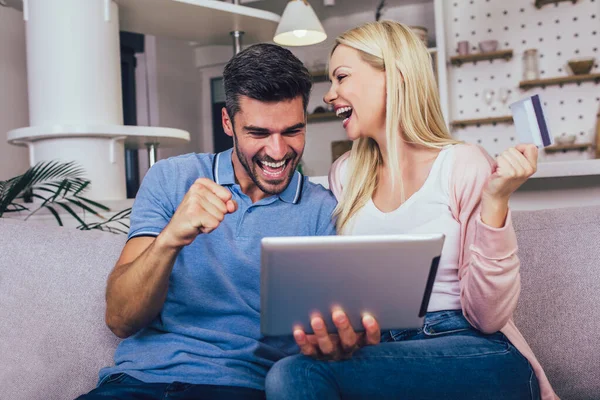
14 111
178 92
168 90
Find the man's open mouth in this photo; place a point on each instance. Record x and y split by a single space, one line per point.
273 169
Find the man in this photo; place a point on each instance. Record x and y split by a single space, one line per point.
185 291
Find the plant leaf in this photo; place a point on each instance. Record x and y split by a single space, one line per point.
53 211
85 207
17 207
70 211
95 204
81 188
51 181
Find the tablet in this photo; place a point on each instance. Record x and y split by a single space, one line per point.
389 277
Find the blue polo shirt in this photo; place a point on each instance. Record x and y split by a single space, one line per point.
208 331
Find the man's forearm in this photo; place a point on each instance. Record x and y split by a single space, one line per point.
136 291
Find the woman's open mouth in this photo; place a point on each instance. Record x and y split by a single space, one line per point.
344 113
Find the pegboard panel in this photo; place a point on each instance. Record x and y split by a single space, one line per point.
559 32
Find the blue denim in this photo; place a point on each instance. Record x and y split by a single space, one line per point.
446 359
124 387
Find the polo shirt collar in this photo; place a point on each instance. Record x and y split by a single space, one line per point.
224 175
223 168
293 191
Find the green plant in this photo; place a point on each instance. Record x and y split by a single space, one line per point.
57 185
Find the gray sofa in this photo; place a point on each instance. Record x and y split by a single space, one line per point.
54 341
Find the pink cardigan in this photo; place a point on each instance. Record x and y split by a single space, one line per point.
489 267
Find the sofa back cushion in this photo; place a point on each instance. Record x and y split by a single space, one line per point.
559 307
52 283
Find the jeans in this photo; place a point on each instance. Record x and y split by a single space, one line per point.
124 387
446 359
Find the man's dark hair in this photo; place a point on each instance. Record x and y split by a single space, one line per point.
265 72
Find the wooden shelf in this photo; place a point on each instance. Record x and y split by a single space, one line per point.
525 85
320 76
542 3
482 121
459 60
568 147
322 117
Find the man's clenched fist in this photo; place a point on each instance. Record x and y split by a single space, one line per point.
201 211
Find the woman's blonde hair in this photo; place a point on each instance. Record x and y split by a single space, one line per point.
412 107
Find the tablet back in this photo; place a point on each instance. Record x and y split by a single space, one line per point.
389 277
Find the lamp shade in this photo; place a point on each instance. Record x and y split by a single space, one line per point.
299 25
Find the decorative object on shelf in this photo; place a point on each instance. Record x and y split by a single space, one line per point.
318 65
568 147
322 117
504 95
542 3
482 121
531 69
566 139
499 54
339 147
421 32
319 110
525 85
488 97
463 48
299 25
488 46
581 66
319 76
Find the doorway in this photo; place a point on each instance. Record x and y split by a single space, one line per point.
221 141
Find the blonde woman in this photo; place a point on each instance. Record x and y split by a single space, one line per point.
406 174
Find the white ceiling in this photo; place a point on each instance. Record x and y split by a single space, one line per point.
341 8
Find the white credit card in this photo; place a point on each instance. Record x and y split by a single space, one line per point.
530 122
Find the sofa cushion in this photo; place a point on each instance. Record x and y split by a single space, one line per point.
559 308
52 282
53 336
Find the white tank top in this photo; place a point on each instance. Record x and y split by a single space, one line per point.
426 211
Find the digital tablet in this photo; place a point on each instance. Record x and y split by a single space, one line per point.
389 277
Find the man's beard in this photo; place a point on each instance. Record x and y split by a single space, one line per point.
292 156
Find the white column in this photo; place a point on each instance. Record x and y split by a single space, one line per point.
74 79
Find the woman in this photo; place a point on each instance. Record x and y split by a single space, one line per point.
406 174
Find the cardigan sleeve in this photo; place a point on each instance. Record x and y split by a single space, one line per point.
488 264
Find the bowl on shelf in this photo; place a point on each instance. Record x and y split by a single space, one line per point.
581 66
566 139
421 32
488 46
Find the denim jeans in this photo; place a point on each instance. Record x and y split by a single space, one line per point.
124 387
446 359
